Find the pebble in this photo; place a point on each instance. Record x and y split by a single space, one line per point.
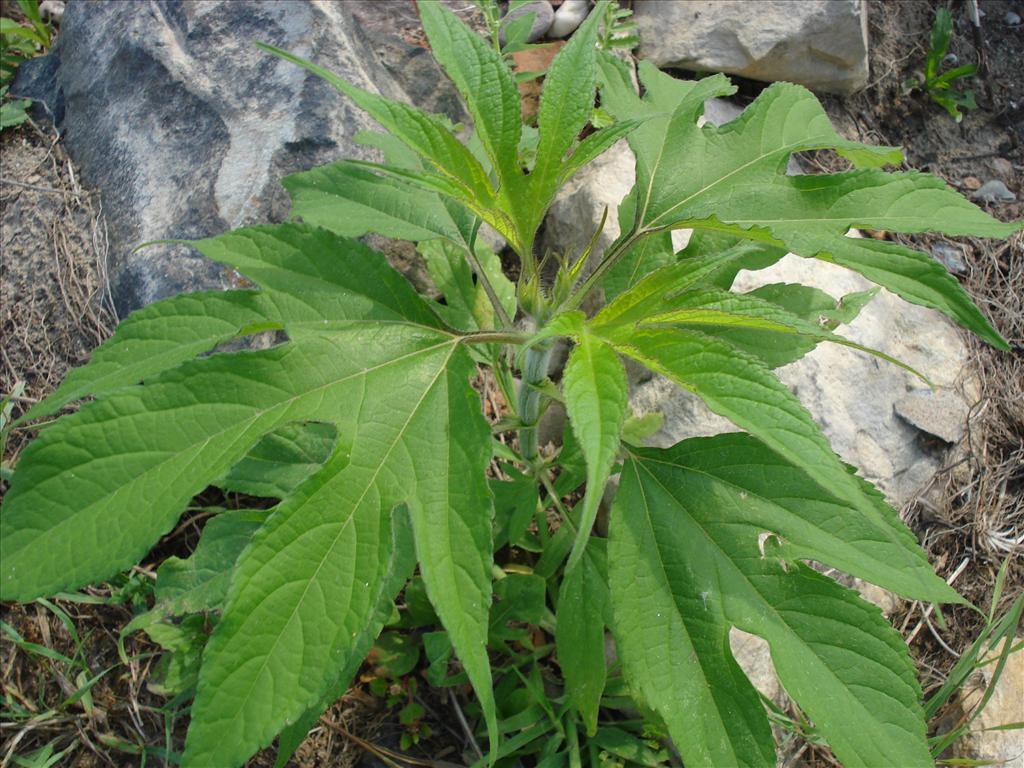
950 59
994 192
971 182
52 10
569 16
1003 167
545 15
1012 19
951 257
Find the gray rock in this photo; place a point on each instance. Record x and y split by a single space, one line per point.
52 9
569 15
390 29
942 414
186 127
994 191
1012 19
544 16
822 44
951 257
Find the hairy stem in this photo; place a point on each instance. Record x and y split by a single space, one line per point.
617 250
535 371
492 295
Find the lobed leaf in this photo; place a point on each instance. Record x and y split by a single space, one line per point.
738 387
684 546
732 179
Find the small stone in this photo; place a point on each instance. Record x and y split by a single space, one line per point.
52 10
951 257
971 182
1012 19
941 413
950 59
569 16
1002 167
994 191
544 15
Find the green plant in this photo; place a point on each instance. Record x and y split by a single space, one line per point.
365 425
941 86
19 43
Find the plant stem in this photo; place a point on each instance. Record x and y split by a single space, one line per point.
496 337
618 248
492 295
535 371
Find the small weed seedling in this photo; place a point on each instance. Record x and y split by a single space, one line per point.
401 506
17 44
941 86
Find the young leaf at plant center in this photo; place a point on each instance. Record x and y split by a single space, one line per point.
596 395
684 547
566 104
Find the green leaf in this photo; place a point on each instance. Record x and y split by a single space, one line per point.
687 561
395 654
519 597
311 278
595 145
741 389
760 328
400 564
596 396
583 612
162 336
467 306
200 582
942 28
515 502
652 252
318 276
485 83
14 113
282 460
452 519
732 178
420 131
565 107
352 201
154 447
309 581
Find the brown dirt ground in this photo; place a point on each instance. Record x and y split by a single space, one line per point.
54 308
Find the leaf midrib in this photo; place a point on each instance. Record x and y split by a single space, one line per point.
282 405
344 527
769 608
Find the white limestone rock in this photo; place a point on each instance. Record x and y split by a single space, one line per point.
822 44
